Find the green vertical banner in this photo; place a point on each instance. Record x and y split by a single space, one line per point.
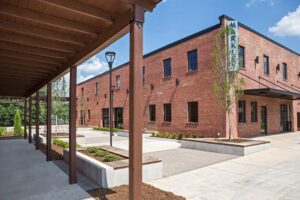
233 45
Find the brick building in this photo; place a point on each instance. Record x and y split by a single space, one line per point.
178 97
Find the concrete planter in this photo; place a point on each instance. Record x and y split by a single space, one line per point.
43 140
239 149
115 173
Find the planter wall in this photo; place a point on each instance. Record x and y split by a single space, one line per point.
106 176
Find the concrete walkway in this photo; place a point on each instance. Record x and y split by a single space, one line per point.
270 175
24 174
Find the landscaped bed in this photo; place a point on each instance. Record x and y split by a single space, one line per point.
60 135
121 193
101 154
176 136
57 151
237 146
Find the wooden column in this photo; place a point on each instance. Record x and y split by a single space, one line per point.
49 124
30 121
136 103
37 120
25 119
72 126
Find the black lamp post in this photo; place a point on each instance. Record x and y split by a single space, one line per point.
110 57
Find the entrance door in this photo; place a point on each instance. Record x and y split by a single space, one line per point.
119 117
264 120
284 126
298 120
105 117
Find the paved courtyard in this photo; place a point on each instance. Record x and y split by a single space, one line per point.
269 175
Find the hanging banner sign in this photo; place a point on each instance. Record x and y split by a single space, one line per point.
233 45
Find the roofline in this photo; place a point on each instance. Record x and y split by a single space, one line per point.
259 34
177 42
202 32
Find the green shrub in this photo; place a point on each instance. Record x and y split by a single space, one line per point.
101 153
109 158
17 124
179 136
61 143
105 129
91 149
2 131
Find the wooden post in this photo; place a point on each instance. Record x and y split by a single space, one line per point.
30 121
72 126
37 120
49 124
136 103
25 119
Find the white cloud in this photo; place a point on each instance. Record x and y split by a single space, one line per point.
90 68
252 2
289 25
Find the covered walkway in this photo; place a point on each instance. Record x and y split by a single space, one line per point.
26 175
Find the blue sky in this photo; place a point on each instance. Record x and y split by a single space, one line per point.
175 19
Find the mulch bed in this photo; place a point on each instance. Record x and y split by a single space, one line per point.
57 151
8 137
121 193
93 155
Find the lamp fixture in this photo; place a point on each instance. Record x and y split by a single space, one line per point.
110 57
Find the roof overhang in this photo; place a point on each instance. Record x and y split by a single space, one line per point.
272 93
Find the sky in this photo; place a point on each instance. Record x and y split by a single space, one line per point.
172 20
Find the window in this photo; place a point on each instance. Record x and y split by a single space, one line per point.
192 60
118 82
167 67
266 65
89 114
193 111
152 114
284 71
241 57
253 111
242 111
144 74
167 113
97 88
82 91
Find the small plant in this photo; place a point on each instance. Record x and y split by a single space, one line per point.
110 158
101 153
179 136
92 149
105 129
17 124
61 143
2 131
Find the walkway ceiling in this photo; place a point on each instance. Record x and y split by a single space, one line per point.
273 93
42 39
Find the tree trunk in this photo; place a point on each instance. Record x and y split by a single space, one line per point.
229 125
56 124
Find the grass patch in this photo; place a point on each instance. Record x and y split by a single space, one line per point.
101 155
106 129
62 143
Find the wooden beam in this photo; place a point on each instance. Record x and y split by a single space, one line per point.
72 126
20 73
25 119
29 64
149 5
135 104
82 9
30 70
33 42
34 50
37 120
49 124
41 33
26 57
29 122
110 34
47 19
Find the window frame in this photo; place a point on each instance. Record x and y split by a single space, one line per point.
284 71
191 61
144 75
190 103
268 65
118 82
244 64
242 113
97 88
167 119
151 111
254 111
165 62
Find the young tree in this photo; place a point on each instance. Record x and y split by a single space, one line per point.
83 107
228 86
18 124
59 95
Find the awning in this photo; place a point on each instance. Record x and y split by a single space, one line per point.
273 93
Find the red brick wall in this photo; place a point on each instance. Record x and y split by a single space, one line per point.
197 86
